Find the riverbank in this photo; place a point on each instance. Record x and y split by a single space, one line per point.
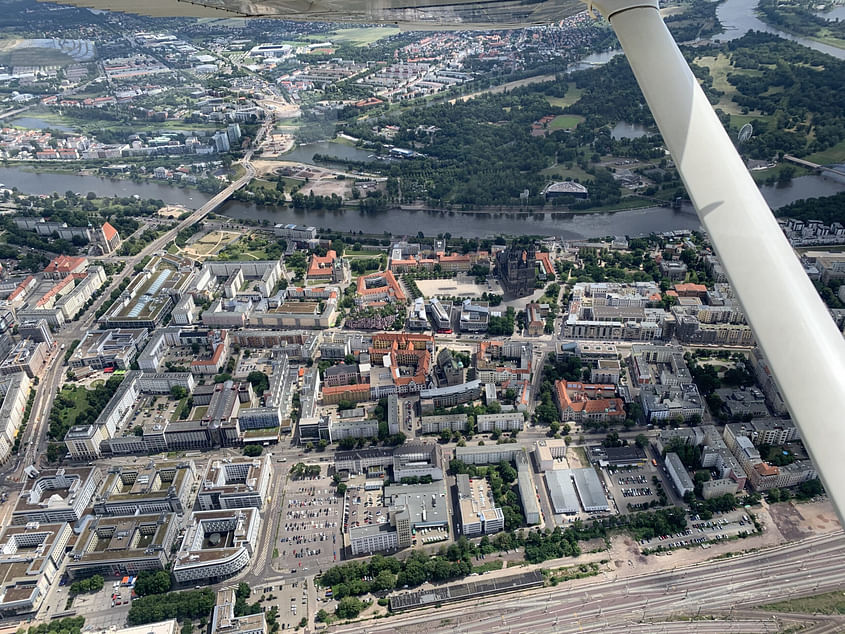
400 222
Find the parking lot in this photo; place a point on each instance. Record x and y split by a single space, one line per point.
701 532
633 488
310 539
102 609
292 598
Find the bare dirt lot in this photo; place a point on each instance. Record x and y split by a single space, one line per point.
797 520
462 285
210 243
171 211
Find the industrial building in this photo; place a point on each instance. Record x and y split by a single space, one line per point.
568 487
57 495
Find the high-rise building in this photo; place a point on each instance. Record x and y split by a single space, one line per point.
221 141
233 131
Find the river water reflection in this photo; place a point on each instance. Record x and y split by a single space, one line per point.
402 222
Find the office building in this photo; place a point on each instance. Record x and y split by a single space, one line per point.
487 454
679 475
14 395
547 451
224 621
217 545
27 356
31 556
36 330
479 514
57 495
163 487
122 545
235 483
115 348
511 421
417 460
439 423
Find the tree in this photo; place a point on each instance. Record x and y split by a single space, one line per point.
149 582
91 584
260 381
178 392
322 616
641 441
192 604
253 451
385 580
349 608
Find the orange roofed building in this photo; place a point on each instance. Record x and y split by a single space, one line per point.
406 356
544 261
691 290
65 265
111 238
379 288
580 402
321 267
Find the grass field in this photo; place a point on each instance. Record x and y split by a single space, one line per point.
198 412
760 176
563 173
79 396
829 603
357 36
835 154
210 243
565 121
739 120
720 67
573 94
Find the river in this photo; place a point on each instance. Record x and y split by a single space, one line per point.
401 222
738 17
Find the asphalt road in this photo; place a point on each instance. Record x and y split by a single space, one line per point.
655 602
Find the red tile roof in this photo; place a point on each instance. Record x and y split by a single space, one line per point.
109 231
322 266
64 264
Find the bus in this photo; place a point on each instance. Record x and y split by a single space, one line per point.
653 462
